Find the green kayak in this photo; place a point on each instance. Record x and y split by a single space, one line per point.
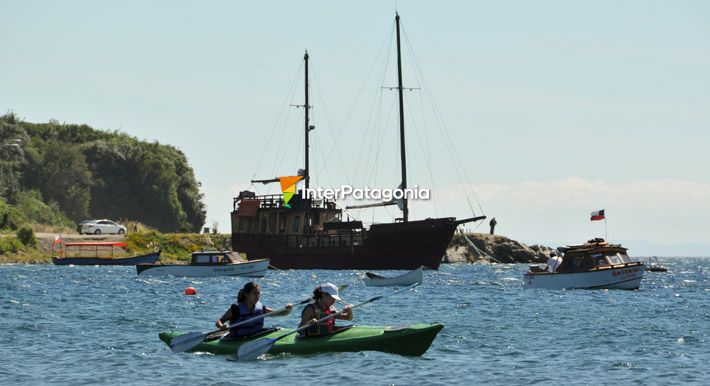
411 340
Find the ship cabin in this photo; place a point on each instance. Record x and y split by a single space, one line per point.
212 258
592 256
305 223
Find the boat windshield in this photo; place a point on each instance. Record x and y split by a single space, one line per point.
614 259
599 259
210 258
624 257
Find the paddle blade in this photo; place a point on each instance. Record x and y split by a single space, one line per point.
187 341
251 350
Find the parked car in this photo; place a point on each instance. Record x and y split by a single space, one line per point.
81 225
98 227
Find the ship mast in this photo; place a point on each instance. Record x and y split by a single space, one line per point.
307 128
405 207
306 106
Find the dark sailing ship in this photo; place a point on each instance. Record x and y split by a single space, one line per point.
311 234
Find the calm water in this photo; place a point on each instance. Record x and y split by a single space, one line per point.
86 325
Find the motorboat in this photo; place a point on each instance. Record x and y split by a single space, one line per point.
655 266
594 264
98 253
206 264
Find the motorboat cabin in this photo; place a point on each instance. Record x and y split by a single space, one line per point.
595 264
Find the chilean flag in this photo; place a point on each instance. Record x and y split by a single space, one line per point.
598 215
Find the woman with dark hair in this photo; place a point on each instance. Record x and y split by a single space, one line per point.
324 296
247 306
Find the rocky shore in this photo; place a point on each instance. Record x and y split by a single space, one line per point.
482 247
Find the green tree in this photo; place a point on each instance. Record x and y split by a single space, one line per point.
59 171
12 156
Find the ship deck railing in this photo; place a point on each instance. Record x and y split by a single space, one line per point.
275 201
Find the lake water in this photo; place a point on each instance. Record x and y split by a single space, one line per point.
100 325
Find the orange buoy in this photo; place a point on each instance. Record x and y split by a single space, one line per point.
190 291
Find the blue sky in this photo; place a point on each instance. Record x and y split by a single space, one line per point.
556 108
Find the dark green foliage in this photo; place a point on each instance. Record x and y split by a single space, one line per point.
26 235
9 244
10 218
36 211
12 156
86 173
60 172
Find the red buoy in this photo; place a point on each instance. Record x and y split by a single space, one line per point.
190 291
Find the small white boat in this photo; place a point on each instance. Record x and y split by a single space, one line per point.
595 264
655 266
409 278
206 264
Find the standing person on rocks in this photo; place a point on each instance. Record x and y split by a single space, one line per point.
493 223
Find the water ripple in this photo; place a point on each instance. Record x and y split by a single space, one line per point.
495 332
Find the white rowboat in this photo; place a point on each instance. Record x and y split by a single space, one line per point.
409 278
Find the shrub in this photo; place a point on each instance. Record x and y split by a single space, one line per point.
9 244
31 205
27 236
10 218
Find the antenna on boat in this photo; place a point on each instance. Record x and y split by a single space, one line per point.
405 206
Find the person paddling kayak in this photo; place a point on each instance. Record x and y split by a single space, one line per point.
324 297
247 306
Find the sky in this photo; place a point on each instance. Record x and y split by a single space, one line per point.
540 112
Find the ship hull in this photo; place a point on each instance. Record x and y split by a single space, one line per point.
150 258
624 276
384 246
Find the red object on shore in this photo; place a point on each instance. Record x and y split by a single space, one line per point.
190 291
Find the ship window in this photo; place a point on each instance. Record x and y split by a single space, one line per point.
577 262
297 223
316 218
263 224
282 223
614 259
624 257
202 259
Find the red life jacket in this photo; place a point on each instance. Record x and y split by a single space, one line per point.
323 328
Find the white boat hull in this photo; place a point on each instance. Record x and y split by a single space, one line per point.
407 279
255 268
612 277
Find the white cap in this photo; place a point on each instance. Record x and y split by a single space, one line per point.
330 289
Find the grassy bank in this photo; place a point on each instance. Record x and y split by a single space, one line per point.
174 246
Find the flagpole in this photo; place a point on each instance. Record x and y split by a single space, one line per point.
606 235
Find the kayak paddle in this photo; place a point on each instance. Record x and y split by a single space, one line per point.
251 350
189 340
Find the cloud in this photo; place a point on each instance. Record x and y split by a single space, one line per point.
659 211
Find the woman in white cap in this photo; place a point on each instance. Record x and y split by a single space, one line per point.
324 296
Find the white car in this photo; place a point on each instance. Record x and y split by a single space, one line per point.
98 227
